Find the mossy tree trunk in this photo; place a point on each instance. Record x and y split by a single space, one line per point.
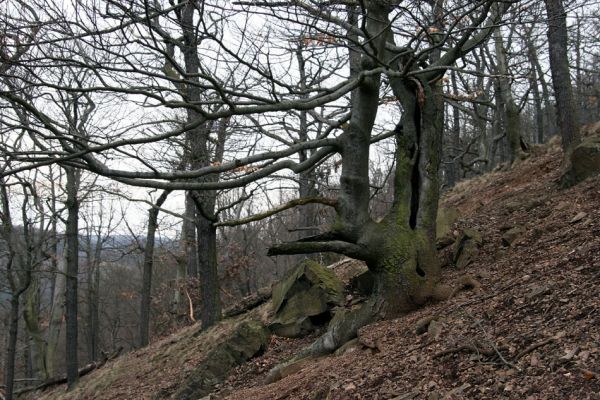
400 249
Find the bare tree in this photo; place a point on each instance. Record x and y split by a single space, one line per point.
561 77
384 59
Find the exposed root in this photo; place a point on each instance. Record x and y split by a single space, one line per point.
343 327
442 292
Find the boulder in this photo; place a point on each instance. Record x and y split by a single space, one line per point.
584 162
512 234
248 339
304 299
446 218
466 247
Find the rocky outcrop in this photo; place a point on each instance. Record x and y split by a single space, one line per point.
304 299
584 162
512 234
446 218
466 247
246 340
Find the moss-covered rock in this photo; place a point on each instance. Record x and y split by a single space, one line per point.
446 218
248 339
512 234
584 162
304 298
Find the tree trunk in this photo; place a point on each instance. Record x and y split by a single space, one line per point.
307 179
72 243
210 307
187 264
31 315
188 235
454 166
93 297
199 153
56 316
146 300
512 115
561 78
11 347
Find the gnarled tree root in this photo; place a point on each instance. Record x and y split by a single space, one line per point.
343 327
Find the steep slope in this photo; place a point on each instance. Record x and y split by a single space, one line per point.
529 330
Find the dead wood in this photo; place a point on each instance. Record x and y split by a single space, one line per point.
63 379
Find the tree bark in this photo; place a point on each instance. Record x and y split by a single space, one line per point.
94 252
511 111
31 315
561 78
146 298
11 347
56 316
72 270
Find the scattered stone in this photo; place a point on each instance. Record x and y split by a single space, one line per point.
466 247
434 330
511 235
578 217
535 202
537 291
513 206
423 324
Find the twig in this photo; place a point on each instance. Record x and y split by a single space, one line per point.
532 348
498 353
191 305
465 347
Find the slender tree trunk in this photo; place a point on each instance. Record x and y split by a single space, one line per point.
561 78
146 301
56 316
71 300
454 166
11 347
513 119
549 114
537 97
307 179
188 233
37 344
93 299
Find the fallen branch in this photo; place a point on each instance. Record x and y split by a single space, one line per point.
63 379
465 347
532 348
248 303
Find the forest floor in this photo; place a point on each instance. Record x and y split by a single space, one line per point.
530 331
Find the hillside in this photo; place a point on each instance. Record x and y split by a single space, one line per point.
529 330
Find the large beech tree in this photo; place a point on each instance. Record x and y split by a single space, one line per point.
387 58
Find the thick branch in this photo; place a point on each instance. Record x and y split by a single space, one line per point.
336 246
283 207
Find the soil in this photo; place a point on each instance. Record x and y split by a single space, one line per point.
530 330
